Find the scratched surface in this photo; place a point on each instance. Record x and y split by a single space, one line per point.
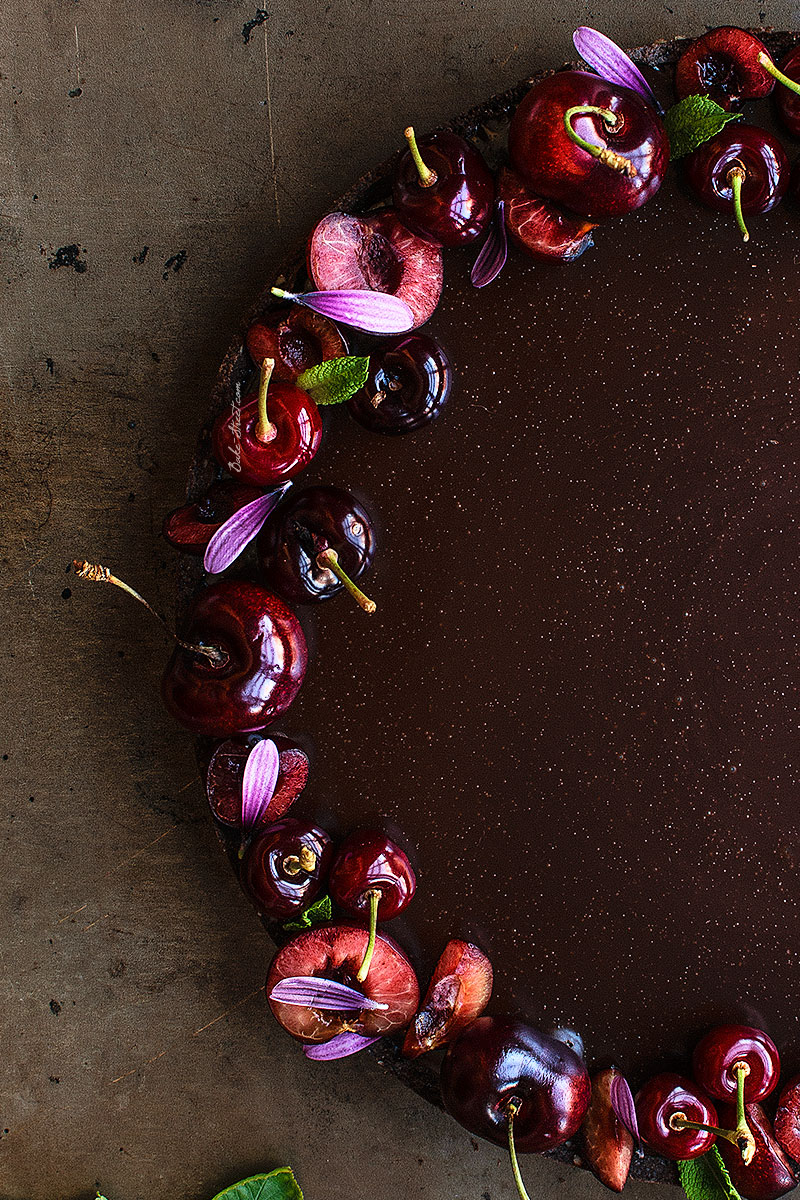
157 157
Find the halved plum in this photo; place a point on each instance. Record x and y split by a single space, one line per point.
336 952
226 771
607 1143
458 992
539 226
376 253
296 338
191 527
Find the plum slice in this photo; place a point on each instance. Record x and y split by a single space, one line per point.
458 993
226 771
376 253
296 338
607 1143
787 1118
191 527
336 952
539 226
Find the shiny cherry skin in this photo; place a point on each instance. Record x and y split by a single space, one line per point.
191 527
661 1098
456 207
787 103
263 653
763 158
286 866
366 861
409 382
769 1173
309 522
540 227
552 165
296 434
498 1061
716 1054
225 773
723 64
296 338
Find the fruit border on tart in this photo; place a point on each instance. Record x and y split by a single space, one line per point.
584 145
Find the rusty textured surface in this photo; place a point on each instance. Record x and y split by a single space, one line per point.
158 159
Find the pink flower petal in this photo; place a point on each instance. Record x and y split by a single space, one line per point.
312 991
374 312
494 251
611 62
623 1106
234 534
258 783
340 1046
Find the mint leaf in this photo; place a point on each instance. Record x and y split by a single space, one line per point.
707 1178
693 121
278 1185
320 911
336 380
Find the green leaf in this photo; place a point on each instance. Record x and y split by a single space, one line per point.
707 1178
278 1185
320 911
693 121
336 380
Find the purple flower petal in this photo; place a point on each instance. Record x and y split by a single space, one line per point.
611 62
312 991
494 251
623 1106
234 534
258 783
340 1046
374 312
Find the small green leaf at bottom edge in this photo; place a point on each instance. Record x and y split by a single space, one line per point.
336 379
694 120
316 914
279 1184
707 1178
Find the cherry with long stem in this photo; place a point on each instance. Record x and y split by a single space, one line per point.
99 574
769 66
374 895
736 177
741 1136
329 560
512 1108
265 431
427 177
604 154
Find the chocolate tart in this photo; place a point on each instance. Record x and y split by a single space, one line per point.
576 706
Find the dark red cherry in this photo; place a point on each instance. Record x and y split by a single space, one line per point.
540 227
315 544
191 527
285 867
666 1107
591 146
787 1118
502 1072
257 665
443 189
335 952
368 861
787 103
225 773
271 435
742 161
409 382
729 65
768 1174
716 1056
296 338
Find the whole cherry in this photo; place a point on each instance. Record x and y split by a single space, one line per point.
729 65
371 877
409 382
268 438
296 338
191 527
743 170
737 1063
592 146
443 189
675 1117
285 867
315 545
767 1174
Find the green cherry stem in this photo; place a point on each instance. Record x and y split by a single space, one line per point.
374 900
329 560
741 1136
427 177
265 430
512 1108
604 154
736 177
769 66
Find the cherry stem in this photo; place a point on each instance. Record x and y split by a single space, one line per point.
769 66
306 860
265 430
736 177
374 900
741 1137
512 1108
98 574
329 560
603 154
427 177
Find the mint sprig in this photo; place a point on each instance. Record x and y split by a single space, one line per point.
707 1178
694 120
316 914
336 380
277 1185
